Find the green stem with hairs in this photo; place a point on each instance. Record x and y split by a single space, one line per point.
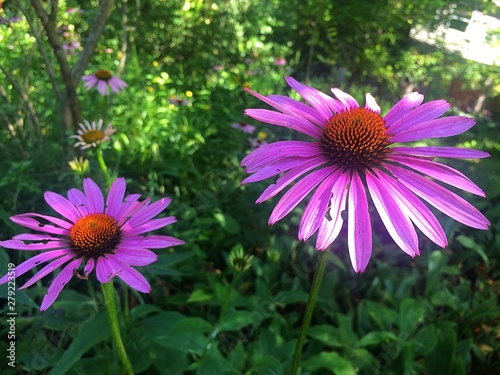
102 165
313 294
109 300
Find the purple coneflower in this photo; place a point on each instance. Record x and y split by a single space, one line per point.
280 61
91 134
107 236
354 151
71 46
103 78
176 101
244 127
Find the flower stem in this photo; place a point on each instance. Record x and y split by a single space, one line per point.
109 300
313 294
102 165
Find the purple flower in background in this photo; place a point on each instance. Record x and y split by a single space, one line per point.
354 151
105 235
256 143
74 10
244 127
280 61
176 101
103 78
71 46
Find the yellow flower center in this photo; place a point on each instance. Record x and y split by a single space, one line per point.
104 75
355 139
94 235
93 136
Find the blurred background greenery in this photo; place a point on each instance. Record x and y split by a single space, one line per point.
436 314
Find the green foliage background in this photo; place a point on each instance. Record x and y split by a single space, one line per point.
436 314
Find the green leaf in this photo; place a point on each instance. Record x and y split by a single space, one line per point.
469 243
228 223
235 320
143 310
331 361
425 340
293 296
375 338
380 314
92 332
411 314
186 335
327 334
214 363
441 360
267 365
200 295
163 266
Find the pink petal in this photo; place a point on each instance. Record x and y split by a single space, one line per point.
134 256
417 211
359 230
442 127
151 225
287 121
317 206
20 245
314 97
290 107
371 103
441 198
115 197
297 193
80 201
288 177
94 195
107 268
152 242
124 206
275 169
271 153
347 100
403 107
134 279
58 283
27 221
425 112
330 226
147 213
116 84
62 206
442 152
440 172
102 87
88 267
49 268
295 108
397 223
32 262
132 209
